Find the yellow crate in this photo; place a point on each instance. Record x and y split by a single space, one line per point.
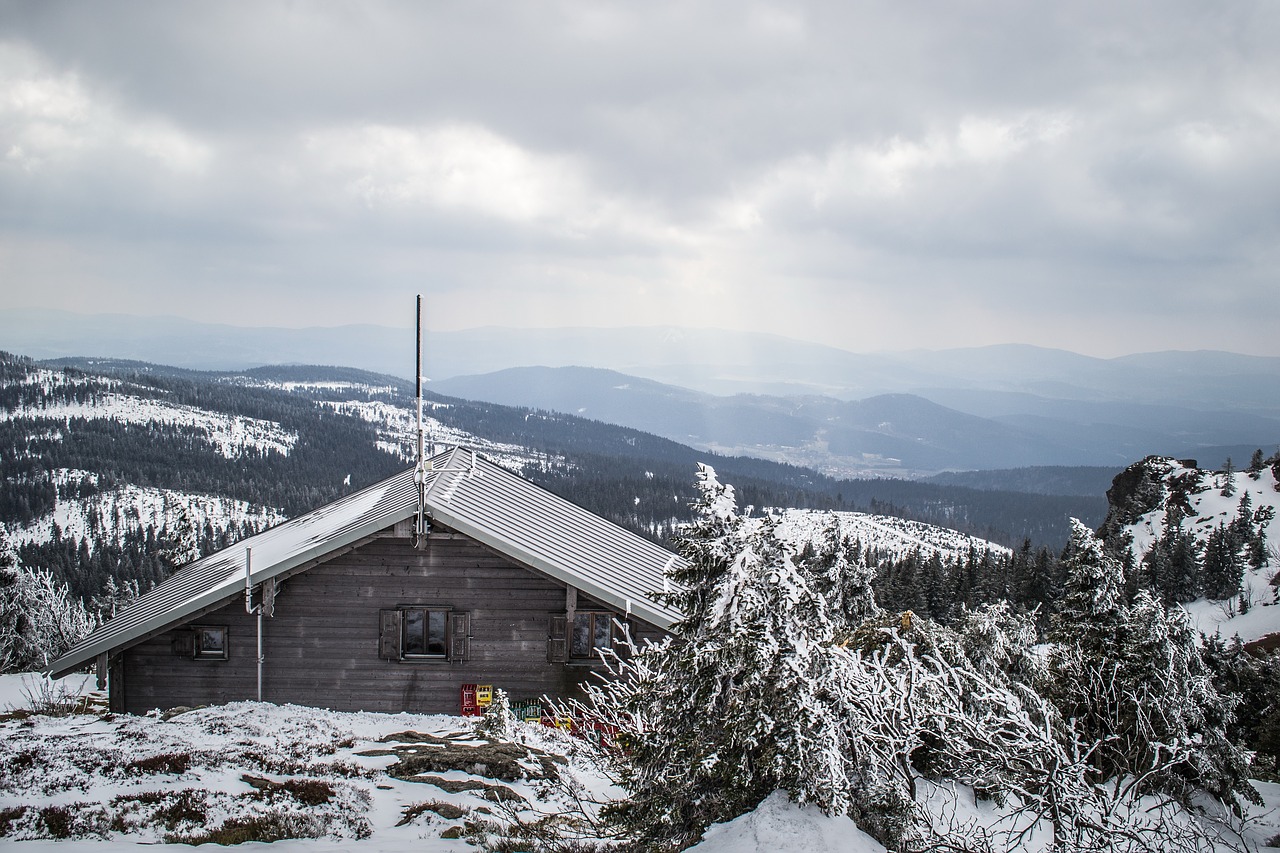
484 694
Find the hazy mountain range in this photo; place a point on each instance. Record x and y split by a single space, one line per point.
906 414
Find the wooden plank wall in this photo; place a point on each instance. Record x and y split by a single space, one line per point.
321 646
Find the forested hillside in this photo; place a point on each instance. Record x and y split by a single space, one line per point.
274 442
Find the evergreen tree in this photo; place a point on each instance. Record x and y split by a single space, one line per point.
1131 678
1255 464
735 704
1223 568
1228 479
1091 614
39 620
1171 714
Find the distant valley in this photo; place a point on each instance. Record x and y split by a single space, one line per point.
896 435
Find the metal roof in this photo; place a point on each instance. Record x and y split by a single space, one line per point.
465 492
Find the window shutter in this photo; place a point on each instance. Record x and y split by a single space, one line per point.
460 637
184 643
389 634
558 641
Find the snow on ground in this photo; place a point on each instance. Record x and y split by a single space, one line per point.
129 781
779 825
889 537
231 435
121 777
1212 617
106 517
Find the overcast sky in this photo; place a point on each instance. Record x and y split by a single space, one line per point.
1097 176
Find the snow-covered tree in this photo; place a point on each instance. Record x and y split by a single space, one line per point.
1172 712
1131 679
738 703
39 619
1091 612
497 722
113 598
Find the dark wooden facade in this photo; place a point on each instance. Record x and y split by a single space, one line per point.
321 647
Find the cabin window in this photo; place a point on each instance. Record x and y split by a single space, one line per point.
424 633
210 642
592 630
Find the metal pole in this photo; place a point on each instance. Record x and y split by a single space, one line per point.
261 656
253 609
421 436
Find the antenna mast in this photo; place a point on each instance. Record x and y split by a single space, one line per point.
420 472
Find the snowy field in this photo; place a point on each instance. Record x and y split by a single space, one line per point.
119 781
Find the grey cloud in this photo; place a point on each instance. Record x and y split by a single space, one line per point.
1052 159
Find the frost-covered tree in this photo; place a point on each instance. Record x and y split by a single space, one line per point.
1131 679
738 702
113 598
1091 612
498 722
1171 714
39 619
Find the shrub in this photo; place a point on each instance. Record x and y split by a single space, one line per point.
170 762
265 828
8 816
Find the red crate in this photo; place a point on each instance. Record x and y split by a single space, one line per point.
467 701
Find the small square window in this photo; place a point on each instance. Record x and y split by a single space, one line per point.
591 631
210 642
426 633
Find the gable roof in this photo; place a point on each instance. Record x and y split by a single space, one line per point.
465 492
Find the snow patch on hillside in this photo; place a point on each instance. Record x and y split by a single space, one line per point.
1212 509
1210 506
397 428
231 435
107 517
886 536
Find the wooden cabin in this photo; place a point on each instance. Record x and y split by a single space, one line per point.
349 608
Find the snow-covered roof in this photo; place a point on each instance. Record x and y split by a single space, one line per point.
465 492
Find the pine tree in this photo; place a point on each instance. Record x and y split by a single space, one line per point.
734 706
1223 569
1228 479
1171 713
1255 464
1091 614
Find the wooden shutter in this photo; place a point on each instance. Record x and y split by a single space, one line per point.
389 634
460 637
558 640
184 643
